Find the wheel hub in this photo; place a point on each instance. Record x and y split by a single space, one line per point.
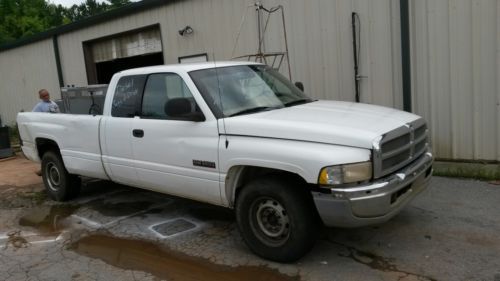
53 176
272 219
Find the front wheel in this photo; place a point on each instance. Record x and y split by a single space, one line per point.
277 219
60 185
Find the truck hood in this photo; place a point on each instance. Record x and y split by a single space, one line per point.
333 122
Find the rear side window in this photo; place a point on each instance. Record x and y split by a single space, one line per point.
127 98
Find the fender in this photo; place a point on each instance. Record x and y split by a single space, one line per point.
305 159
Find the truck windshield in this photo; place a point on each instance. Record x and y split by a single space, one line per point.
246 89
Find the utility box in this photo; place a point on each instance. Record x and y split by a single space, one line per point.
83 100
5 149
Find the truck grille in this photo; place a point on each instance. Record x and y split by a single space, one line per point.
399 147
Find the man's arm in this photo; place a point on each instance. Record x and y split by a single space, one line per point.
54 108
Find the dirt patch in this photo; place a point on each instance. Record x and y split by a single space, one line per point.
19 172
149 257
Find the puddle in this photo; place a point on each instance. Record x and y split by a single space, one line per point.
48 220
149 257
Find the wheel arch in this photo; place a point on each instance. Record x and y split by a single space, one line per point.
46 144
239 175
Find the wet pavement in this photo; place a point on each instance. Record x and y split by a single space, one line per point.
113 232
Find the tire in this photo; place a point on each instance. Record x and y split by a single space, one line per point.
277 219
59 184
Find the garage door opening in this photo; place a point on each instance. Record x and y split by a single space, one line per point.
137 48
106 69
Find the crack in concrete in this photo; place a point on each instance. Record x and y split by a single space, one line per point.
377 262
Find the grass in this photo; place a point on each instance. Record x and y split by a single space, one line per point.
13 134
488 172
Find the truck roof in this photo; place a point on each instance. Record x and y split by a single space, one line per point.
187 67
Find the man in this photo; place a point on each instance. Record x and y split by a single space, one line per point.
46 105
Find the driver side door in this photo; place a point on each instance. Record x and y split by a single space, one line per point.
174 155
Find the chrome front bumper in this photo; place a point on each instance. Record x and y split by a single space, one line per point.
377 201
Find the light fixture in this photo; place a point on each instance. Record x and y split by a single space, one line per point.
186 31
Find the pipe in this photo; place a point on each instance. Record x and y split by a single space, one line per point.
405 53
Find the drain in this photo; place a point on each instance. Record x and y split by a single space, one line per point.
173 227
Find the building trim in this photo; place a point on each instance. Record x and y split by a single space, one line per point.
179 59
58 61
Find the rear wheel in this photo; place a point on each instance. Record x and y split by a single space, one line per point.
60 185
277 219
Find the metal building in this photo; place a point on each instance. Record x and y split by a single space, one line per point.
437 58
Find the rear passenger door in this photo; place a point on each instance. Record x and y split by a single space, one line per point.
175 155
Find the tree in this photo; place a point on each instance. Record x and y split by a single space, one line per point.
21 18
91 8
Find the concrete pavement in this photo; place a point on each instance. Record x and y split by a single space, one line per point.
111 232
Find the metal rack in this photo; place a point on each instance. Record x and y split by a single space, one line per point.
272 59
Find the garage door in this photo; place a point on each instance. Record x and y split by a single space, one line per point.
132 49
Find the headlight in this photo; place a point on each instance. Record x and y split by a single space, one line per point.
345 173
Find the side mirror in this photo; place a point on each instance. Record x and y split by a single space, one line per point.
195 116
180 109
299 85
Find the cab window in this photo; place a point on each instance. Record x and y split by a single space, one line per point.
163 93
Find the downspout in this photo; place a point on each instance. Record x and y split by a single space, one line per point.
355 52
405 53
58 61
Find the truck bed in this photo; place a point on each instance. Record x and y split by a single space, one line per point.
76 135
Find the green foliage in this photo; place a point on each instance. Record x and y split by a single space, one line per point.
21 18
86 9
13 134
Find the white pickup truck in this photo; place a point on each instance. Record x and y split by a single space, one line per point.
240 135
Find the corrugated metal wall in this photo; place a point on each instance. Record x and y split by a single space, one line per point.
455 47
321 50
319 37
455 61
24 71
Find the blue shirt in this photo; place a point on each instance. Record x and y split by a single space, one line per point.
46 106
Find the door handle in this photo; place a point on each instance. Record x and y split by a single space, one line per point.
138 133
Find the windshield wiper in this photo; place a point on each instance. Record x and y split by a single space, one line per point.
297 102
253 110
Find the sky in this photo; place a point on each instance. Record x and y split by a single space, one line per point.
69 3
